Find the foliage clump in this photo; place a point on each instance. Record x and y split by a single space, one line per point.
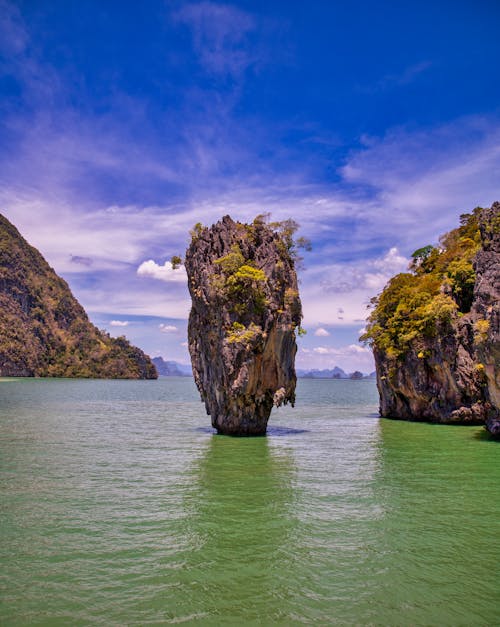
288 242
438 287
239 333
176 262
481 328
196 231
241 282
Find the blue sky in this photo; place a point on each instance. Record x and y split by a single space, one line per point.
122 124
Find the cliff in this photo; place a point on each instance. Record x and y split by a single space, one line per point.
44 331
435 331
245 310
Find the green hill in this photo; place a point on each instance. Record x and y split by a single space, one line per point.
44 331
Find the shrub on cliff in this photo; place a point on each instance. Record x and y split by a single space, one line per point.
415 305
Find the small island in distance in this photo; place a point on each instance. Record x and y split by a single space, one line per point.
172 368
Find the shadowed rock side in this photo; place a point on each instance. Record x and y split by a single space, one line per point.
245 309
45 332
436 333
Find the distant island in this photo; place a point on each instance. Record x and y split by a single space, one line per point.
177 369
435 331
45 332
334 373
171 368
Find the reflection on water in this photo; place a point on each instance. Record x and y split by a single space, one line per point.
241 524
439 535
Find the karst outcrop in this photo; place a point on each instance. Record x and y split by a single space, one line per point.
435 331
45 332
244 316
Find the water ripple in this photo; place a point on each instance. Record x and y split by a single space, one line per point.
118 509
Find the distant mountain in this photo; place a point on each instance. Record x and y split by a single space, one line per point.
335 373
171 368
45 332
356 375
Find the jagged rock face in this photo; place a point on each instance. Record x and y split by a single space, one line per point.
245 309
486 306
44 331
454 376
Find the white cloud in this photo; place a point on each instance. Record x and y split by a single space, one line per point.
220 35
350 357
392 262
132 298
168 328
119 323
320 332
419 181
163 273
417 185
340 292
351 349
321 350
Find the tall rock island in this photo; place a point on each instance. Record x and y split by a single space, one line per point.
45 332
435 331
245 311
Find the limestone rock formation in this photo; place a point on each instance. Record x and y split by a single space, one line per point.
486 307
436 333
245 310
44 331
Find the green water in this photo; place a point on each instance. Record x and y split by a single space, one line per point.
120 507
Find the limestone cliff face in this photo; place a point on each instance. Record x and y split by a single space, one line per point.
44 331
487 307
245 309
448 369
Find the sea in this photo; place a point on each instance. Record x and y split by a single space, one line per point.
121 506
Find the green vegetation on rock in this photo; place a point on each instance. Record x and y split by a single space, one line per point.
239 333
417 305
240 282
